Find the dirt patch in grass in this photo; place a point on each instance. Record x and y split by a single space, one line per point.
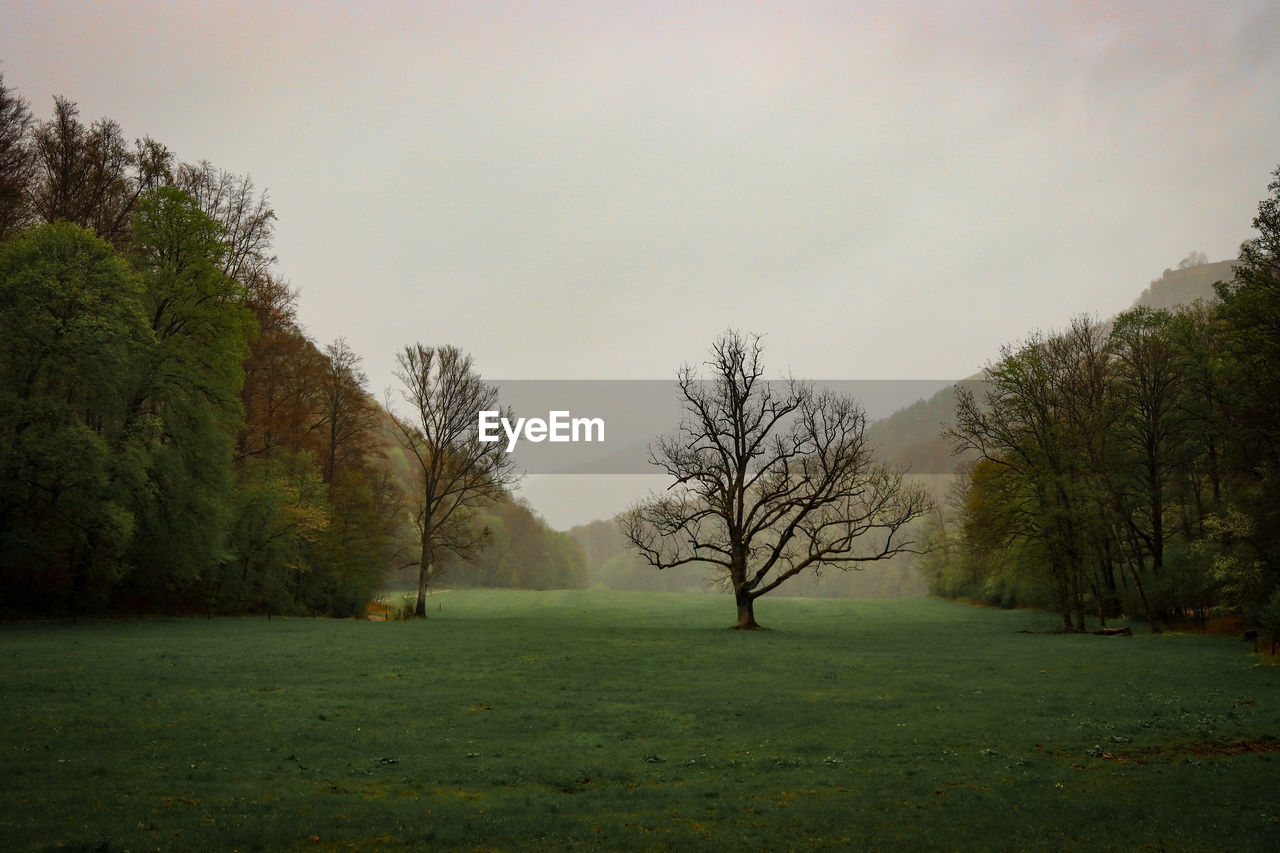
1235 626
1194 750
1217 626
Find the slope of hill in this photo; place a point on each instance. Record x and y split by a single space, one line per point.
1185 285
910 436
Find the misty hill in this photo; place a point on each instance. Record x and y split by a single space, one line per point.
909 437
1185 284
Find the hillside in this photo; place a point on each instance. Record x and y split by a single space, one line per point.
1185 285
910 437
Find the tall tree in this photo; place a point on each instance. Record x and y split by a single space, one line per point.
1149 381
15 159
1031 423
186 387
282 376
348 417
70 325
247 219
1196 334
769 482
456 470
1088 411
1250 313
89 175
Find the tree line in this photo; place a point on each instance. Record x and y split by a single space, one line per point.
1129 468
170 437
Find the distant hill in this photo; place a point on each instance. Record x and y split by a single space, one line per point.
1185 284
909 437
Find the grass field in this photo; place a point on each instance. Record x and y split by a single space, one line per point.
614 721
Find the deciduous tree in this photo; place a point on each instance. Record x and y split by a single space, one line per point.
89 175
771 480
186 387
348 417
247 220
1027 424
70 324
15 159
1250 313
456 471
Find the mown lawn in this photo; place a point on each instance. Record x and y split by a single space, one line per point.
613 721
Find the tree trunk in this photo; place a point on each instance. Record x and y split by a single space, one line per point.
1213 475
1157 532
1099 603
420 609
1060 588
1137 580
1077 602
746 612
424 574
746 601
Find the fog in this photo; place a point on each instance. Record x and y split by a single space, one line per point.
577 192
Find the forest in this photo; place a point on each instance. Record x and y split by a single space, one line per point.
1129 467
171 439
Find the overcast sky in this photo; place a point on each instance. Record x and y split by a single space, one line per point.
589 190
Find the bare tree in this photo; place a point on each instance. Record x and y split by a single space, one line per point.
771 480
441 434
1045 420
350 418
248 219
15 158
89 175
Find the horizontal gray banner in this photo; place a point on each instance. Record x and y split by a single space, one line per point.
606 426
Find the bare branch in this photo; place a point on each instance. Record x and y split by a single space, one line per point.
771 479
441 434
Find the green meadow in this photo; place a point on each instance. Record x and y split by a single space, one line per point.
614 721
